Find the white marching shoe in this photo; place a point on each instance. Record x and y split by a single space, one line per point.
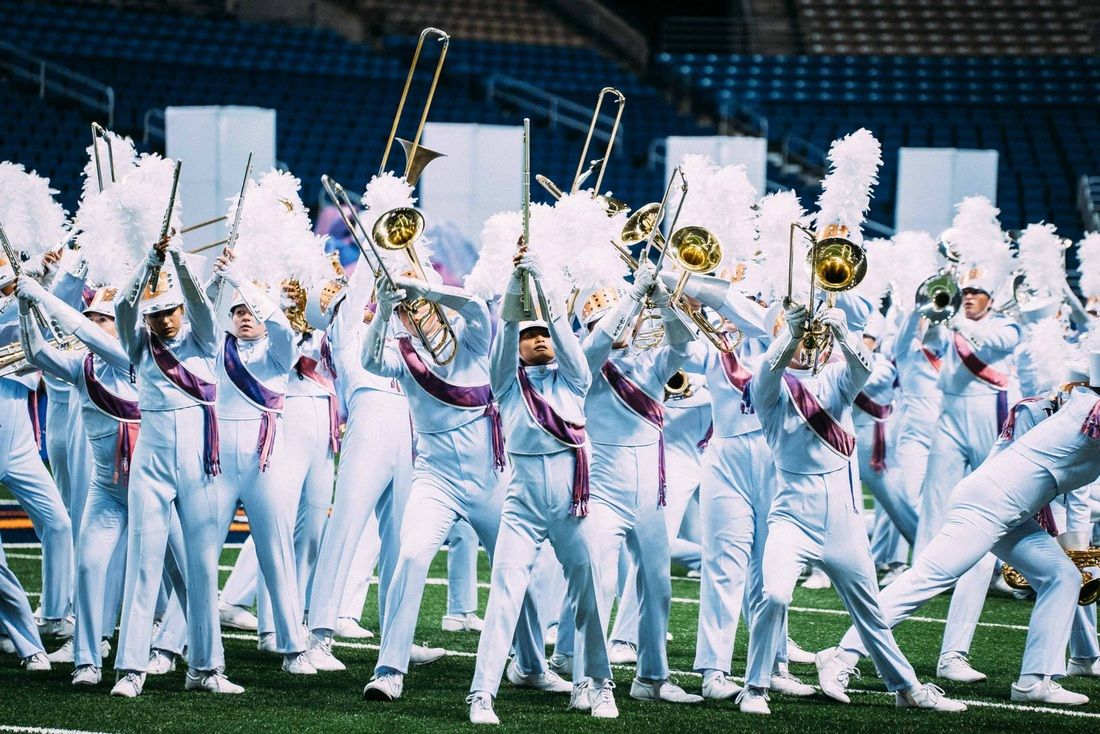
1083 668
37 663
785 683
210 681
350 629
661 690
161 662
795 654
622 653
753 701
87 675
1048 691
129 685
548 681
385 687
579 698
321 657
237 618
892 575
421 655
718 687
561 664
468 622
481 708
267 642
817 579
56 627
928 696
63 654
298 663
955 667
601 701
6 645
833 674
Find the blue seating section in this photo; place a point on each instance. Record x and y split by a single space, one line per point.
1041 113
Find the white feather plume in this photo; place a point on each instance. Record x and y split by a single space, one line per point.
879 258
33 220
846 189
914 257
574 240
1045 353
119 226
976 237
766 273
499 240
1042 258
123 154
1088 255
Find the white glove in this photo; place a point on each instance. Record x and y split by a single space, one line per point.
835 320
388 297
644 279
412 287
530 265
28 289
796 317
227 270
660 295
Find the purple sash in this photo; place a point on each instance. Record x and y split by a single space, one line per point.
267 400
739 378
1091 426
570 434
824 425
202 392
458 396
880 413
705 440
648 409
995 379
1008 427
126 412
36 424
307 368
933 360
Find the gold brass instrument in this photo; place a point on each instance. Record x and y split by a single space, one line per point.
939 297
837 264
1083 559
697 250
613 205
13 360
417 157
99 133
679 386
398 229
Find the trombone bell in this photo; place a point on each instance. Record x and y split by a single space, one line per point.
939 298
398 228
696 249
419 160
838 264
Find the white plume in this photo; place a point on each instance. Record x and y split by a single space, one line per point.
499 242
914 257
33 220
976 237
767 268
879 258
721 199
1042 258
119 226
121 151
1088 255
1045 353
574 240
846 189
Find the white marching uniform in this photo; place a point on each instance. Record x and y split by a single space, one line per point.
815 515
26 477
462 550
171 466
1073 516
16 617
455 474
541 504
993 509
970 421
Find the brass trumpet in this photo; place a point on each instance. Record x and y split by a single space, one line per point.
1083 559
679 386
13 360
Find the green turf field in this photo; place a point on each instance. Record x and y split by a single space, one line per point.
434 696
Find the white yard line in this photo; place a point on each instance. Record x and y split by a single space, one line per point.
40 730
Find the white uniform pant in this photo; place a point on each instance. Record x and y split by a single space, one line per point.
734 500
916 419
168 469
536 508
548 586
837 542
895 523
16 618
462 550
362 568
271 504
453 478
376 454
684 472
991 510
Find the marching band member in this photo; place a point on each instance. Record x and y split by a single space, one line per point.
1052 450
17 621
540 375
462 550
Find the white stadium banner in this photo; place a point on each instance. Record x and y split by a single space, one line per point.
213 143
931 181
724 150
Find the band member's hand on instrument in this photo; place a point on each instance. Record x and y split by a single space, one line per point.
388 297
413 288
644 278
226 269
660 295
525 263
521 250
796 317
835 320
29 290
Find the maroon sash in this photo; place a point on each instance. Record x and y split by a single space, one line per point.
571 434
880 413
32 411
307 367
824 425
1045 518
705 440
458 396
995 379
646 408
202 392
739 378
1091 426
936 362
267 400
126 412
1008 427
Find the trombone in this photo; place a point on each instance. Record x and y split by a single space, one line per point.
697 250
417 157
99 133
613 205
